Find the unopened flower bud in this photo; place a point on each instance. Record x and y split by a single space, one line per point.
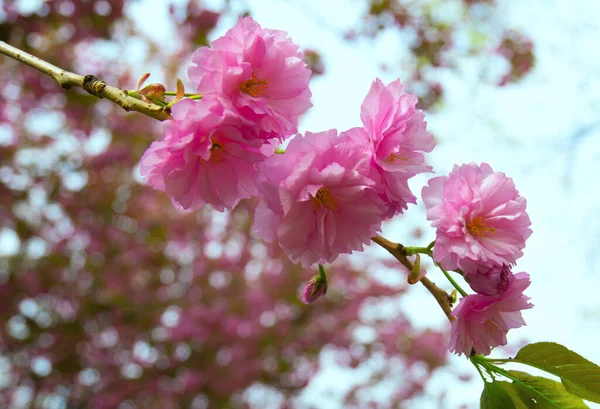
314 289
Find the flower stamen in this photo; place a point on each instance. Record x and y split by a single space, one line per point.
255 87
216 153
323 198
477 227
393 157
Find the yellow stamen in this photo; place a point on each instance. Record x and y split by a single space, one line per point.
393 157
216 153
255 87
323 198
491 326
478 229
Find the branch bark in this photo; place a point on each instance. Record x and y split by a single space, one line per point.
90 83
397 250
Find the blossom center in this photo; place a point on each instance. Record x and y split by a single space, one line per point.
323 198
393 157
216 153
255 87
477 227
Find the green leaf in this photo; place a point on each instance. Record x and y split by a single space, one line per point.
579 376
581 391
495 395
514 394
542 393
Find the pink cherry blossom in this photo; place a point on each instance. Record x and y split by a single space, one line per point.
395 134
317 199
259 73
482 321
206 157
487 280
397 130
478 215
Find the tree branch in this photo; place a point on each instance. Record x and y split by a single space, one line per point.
397 250
89 83
441 296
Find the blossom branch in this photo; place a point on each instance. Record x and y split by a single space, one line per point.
441 296
395 249
398 251
89 83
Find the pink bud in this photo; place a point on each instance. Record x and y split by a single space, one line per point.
315 288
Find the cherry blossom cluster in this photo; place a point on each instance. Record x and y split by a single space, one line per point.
329 192
254 86
481 229
162 309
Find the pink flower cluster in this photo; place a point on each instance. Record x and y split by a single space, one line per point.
329 193
481 229
207 157
395 136
254 87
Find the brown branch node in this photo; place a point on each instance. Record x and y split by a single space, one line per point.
93 85
89 83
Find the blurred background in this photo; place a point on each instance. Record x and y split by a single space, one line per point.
111 298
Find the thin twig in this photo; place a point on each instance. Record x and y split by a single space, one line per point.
89 83
397 250
452 281
441 296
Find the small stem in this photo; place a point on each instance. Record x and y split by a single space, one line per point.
418 250
478 370
397 250
187 94
431 245
160 102
322 275
491 368
454 283
500 361
90 83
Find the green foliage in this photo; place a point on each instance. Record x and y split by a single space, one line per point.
542 393
496 395
578 375
580 380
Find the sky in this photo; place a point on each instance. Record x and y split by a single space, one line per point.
544 132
